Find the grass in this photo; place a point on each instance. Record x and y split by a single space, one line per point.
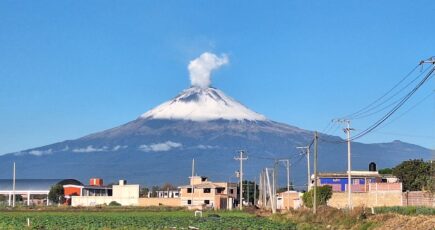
406 210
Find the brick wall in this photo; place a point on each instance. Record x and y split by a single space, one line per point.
418 198
367 199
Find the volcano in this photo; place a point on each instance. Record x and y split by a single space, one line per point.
200 123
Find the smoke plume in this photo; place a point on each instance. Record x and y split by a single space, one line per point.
200 68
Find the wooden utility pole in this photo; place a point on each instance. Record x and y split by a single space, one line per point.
315 172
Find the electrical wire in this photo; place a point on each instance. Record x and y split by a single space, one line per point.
408 110
391 112
384 95
365 114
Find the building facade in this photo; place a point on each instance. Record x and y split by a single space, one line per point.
202 193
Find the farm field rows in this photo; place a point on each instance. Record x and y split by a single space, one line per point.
136 220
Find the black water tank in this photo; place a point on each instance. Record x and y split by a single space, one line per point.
372 167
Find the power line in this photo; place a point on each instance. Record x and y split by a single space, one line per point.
384 95
391 112
410 109
364 114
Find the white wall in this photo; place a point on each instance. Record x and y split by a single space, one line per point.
124 194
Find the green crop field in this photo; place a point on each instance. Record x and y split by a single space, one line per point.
136 220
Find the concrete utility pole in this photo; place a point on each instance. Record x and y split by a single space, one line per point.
307 151
316 137
13 187
191 180
247 190
349 162
241 159
255 190
269 189
287 166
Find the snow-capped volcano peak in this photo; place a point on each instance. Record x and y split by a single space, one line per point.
202 104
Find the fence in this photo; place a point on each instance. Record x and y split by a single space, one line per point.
418 198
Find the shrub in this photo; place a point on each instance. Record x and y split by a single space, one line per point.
114 203
324 193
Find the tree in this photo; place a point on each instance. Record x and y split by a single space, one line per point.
56 194
168 186
154 190
143 192
386 171
415 175
251 191
324 193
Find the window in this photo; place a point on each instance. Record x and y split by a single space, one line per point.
189 201
207 190
189 190
220 190
231 191
206 201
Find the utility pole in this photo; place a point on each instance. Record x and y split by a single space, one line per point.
275 181
13 187
270 191
191 180
255 190
307 151
241 159
247 190
316 137
349 162
287 166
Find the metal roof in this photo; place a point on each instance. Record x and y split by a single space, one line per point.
33 184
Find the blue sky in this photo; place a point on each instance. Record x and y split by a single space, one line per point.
70 68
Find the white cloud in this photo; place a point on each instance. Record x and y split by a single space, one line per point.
118 147
40 152
200 68
89 149
206 147
160 147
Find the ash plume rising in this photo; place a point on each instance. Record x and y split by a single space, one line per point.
200 69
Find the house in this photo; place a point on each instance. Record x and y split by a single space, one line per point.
339 180
97 194
289 200
95 188
202 193
369 189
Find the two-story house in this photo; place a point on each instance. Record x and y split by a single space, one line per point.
202 193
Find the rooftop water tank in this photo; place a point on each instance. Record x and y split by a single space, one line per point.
372 167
